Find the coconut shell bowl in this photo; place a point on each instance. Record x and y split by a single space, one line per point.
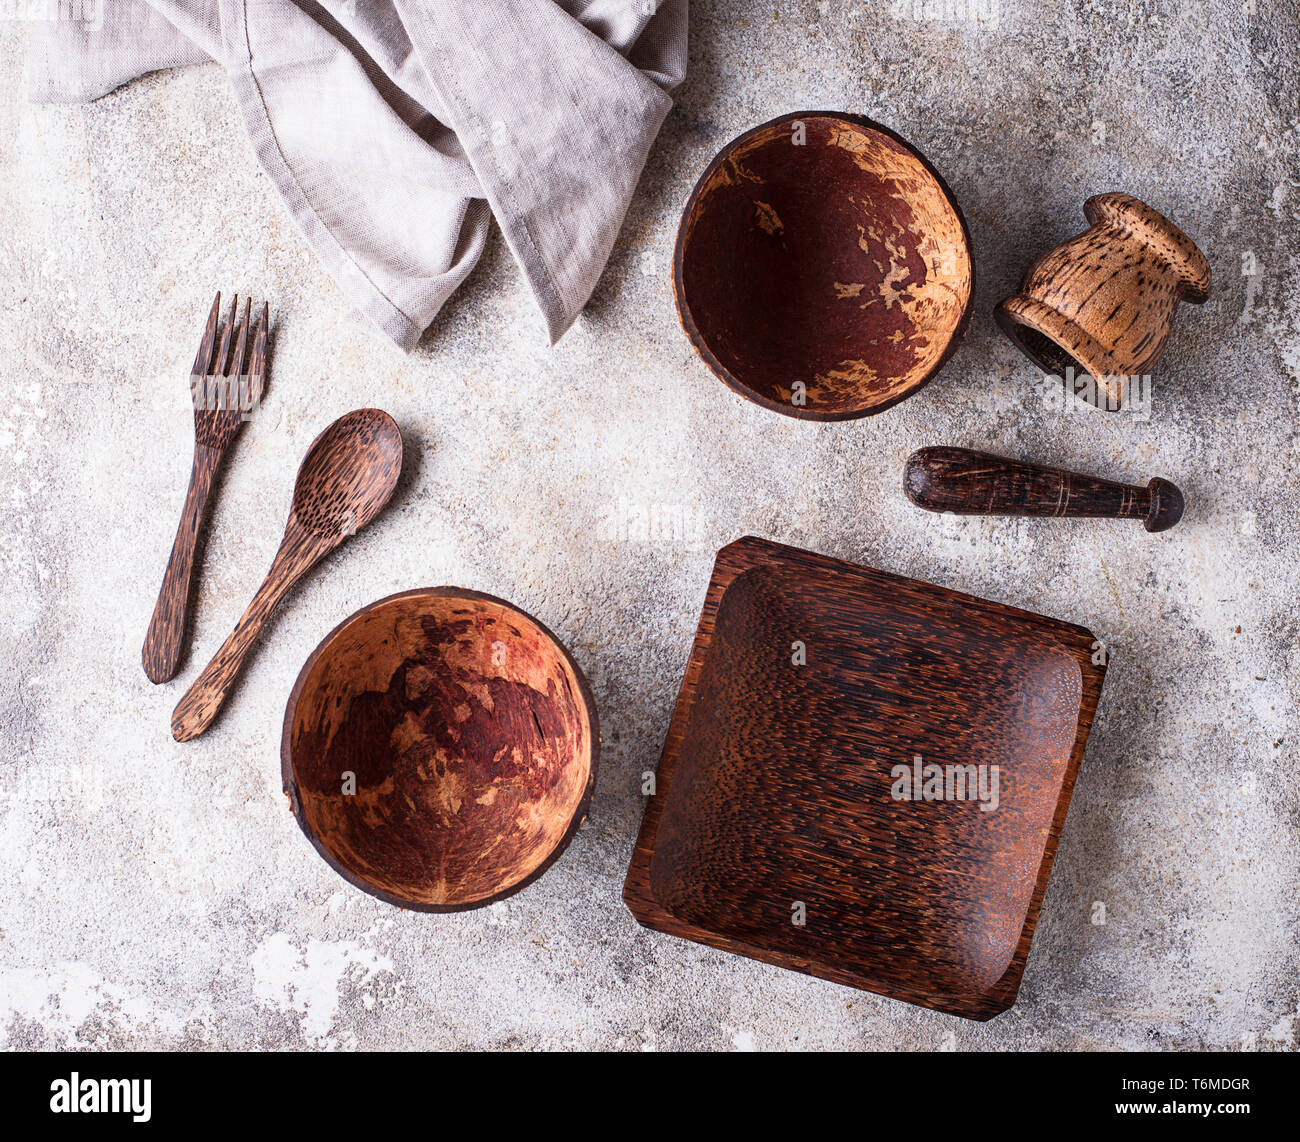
823 268
440 749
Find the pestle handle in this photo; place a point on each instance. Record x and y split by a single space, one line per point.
977 483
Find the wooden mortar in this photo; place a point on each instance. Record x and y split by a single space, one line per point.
1102 304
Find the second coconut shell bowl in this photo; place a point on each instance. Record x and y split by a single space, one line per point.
440 748
823 268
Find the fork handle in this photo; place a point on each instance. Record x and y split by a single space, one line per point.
162 644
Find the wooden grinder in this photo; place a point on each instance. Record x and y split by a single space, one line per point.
1103 303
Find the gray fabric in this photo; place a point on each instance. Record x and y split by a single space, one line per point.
391 127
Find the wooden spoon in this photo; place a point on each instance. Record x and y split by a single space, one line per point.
346 478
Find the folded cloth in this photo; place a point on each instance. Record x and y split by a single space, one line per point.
392 127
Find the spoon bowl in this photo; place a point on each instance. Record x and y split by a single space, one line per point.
349 473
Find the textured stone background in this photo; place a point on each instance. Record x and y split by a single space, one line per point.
160 895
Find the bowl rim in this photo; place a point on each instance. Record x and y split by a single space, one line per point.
694 334
290 784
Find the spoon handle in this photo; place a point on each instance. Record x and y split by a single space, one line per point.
977 483
202 701
162 644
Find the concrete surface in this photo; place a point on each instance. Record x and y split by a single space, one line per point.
161 895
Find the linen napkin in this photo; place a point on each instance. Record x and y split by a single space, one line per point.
392 127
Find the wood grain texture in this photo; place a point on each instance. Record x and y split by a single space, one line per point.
164 640
776 783
472 739
348 475
1103 303
821 256
226 383
966 482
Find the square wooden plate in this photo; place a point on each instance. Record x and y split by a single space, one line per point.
815 691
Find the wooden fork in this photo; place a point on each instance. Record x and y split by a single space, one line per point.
225 387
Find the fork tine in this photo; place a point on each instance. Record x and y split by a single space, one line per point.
237 386
223 353
203 358
241 340
257 359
